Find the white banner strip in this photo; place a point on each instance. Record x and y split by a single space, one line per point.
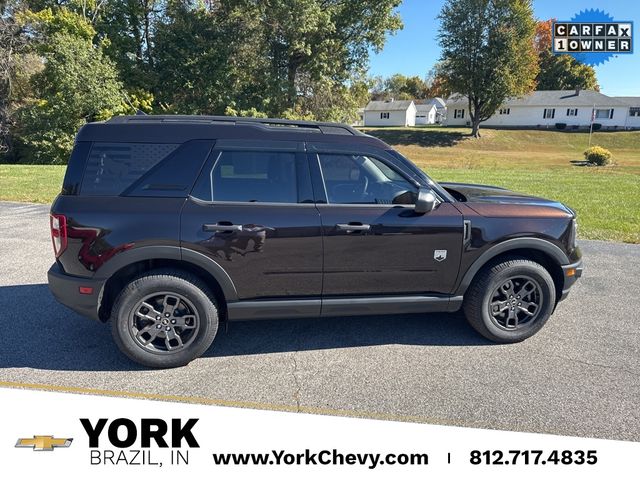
43 433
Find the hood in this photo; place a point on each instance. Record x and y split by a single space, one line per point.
483 198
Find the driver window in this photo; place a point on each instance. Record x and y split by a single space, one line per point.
359 179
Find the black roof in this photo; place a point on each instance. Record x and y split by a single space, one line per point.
181 128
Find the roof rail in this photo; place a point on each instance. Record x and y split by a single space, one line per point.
321 127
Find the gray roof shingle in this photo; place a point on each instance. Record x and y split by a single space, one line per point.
568 98
388 105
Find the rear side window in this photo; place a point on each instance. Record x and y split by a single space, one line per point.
251 176
75 168
113 167
175 175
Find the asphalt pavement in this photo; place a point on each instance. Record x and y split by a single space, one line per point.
579 376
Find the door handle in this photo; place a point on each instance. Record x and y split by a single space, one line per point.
221 227
353 227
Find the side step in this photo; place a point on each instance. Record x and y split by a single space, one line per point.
347 306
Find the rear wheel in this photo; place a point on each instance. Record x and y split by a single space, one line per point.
164 319
510 301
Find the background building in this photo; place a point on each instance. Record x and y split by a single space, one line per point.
399 113
540 109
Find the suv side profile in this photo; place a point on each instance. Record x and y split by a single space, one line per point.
167 226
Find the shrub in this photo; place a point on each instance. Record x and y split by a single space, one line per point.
597 126
597 155
561 126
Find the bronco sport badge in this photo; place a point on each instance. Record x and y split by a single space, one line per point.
439 255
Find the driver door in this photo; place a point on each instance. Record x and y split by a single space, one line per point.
374 242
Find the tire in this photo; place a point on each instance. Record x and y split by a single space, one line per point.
489 303
164 319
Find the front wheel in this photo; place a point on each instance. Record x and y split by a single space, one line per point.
164 319
510 301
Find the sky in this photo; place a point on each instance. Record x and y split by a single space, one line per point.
414 49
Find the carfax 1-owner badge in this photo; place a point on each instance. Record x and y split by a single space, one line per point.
593 37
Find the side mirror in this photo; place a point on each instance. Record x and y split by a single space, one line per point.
426 201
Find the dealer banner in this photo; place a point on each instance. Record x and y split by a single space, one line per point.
64 435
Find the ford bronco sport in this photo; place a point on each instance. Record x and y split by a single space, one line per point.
167 226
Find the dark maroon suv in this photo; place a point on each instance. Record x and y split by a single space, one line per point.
168 225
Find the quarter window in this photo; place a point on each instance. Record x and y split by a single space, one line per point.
113 167
360 179
255 176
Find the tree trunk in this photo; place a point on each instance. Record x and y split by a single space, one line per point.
292 70
475 128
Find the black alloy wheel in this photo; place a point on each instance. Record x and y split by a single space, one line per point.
164 322
516 302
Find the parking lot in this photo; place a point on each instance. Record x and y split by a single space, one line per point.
579 376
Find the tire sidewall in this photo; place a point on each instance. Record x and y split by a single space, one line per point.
145 286
547 288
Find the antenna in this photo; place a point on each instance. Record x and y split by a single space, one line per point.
138 111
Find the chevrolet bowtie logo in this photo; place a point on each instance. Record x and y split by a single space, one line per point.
43 442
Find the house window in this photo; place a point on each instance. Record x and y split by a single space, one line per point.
572 112
504 111
384 115
604 113
634 111
549 113
458 113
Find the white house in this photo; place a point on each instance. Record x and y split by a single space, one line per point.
633 114
441 108
546 109
425 114
399 113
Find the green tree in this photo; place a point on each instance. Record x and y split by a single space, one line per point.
276 56
560 72
12 43
77 85
209 59
321 40
400 87
129 25
487 52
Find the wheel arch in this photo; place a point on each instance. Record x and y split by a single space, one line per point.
538 250
134 263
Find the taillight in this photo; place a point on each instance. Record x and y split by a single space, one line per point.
58 233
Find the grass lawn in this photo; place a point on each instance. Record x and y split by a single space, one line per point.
607 199
30 183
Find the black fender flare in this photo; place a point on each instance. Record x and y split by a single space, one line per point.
166 252
544 246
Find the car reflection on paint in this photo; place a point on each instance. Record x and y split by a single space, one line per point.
250 239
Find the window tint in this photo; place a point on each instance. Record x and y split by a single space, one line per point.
175 175
253 176
360 179
75 168
112 167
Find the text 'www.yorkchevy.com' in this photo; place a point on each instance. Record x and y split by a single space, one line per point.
322 457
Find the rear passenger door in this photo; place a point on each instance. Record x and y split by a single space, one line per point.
252 212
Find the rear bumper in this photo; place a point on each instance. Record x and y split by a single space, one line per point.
571 274
66 290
